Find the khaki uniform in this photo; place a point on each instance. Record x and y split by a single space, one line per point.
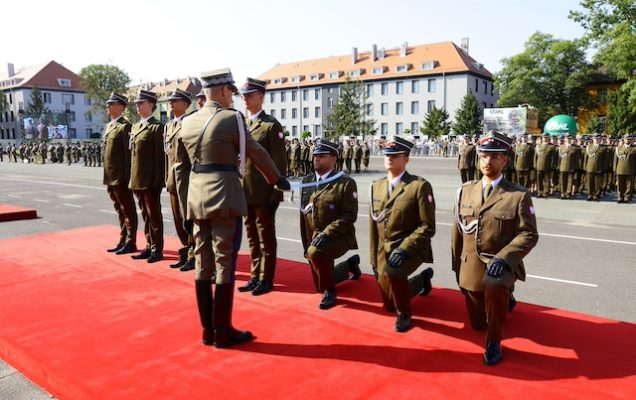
331 209
594 162
295 161
357 157
570 156
544 159
347 155
148 177
405 219
524 160
504 226
215 199
262 198
366 155
116 177
467 161
625 168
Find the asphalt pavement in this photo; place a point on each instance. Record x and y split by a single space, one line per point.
584 261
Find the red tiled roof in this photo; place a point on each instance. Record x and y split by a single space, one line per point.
44 76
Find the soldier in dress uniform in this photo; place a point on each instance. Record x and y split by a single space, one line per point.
524 159
570 156
179 101
117 173
594 162
262 198
544 159
328 212
306 157
296 162
625 168
401 225
148 173
347 155
466 161
340 161
214 137
357 155
494 229
201 99
366 155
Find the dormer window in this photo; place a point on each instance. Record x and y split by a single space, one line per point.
297 78
402 68
378 70
335 74
280 81
356 72
427 65
64 82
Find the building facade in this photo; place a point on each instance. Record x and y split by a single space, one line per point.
163 90
400 86
69 117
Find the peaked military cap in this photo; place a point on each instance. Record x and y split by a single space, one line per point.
495 142
545 135
200 94
326 147
179 94
627 136
146 95
398 145
253 85
117 98
218 77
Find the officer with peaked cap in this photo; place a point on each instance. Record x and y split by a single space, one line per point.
401 225
544 158
625 169
328 213
214 138
466 159
179 102
494 229
148 173
594 164
262 198
117 173
200 99
571 157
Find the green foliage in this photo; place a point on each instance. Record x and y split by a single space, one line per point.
550 74
468 118
99 80
593 125
36 107
346 118
436 123
305 134
620 114
407 131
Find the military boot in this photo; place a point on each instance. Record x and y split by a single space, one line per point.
205 306
225 335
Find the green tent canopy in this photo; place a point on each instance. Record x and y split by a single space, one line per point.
561 125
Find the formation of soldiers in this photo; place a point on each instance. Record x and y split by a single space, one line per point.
43 152
592 166
353 156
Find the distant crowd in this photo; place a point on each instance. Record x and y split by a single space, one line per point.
42 152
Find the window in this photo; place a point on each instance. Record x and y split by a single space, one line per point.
485 87
334 75
401 68
369 88
64 82
399 87
72 133
431 105
273 113
384 109
415 128
89 132
294 95
87 101
369 109
377 70
272 97
305 112
431 85
282 97
294 130
355 72
384 88
88 117
316 94
399 108
305 94
330 90
399 128
294 113
305 128
415 107
68 98
415 86
428 65
317 112
330 102
384 128
283 113
297 78
317 130
47 97
601 95
476 85
72 115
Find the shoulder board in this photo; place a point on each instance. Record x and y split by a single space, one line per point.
378 180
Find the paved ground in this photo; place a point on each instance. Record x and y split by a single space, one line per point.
584 261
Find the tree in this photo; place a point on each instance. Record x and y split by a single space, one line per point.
549 74
99 80
620 115
36 107
468 118
346 117
305 134
593 125
436 123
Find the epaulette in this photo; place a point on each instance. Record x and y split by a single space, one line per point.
474 181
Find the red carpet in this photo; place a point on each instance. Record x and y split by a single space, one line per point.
9 212
85 324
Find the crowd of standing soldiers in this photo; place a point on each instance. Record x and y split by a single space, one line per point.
353 156
43 152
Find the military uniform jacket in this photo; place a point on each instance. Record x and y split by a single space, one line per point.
117 153
625 160
571 158
347 152
467 156
366 153
357 152
545 155
147 167
504 226
268 132
524 156
172 146
219 193
594 159
331 208
295 152
406 219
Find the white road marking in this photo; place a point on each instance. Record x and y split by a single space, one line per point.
108 211
587 238
72 205
563 281
42 201
289 240
15 196
55 183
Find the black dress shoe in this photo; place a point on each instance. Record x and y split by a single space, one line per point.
328 299
249 286
127 249
427 275
263 287
188 265
178 264
493 354
114 249
142 256
354 267
402 323
154 257
224 338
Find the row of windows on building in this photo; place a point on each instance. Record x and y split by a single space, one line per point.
384 129
384 110
47 97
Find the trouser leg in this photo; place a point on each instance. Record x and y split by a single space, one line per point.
120 214
155 219
464 175
475 306
141 199
126 202
622 186
266 234
254 242
323 268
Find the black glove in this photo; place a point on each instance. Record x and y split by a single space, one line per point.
320 240
397 257
188 225
283 184
496 267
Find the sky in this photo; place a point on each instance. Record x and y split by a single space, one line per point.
155 40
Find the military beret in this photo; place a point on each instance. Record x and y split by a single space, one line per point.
326 147
218 77
398 145
494 142
117 98
146 95
179 94
253 85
